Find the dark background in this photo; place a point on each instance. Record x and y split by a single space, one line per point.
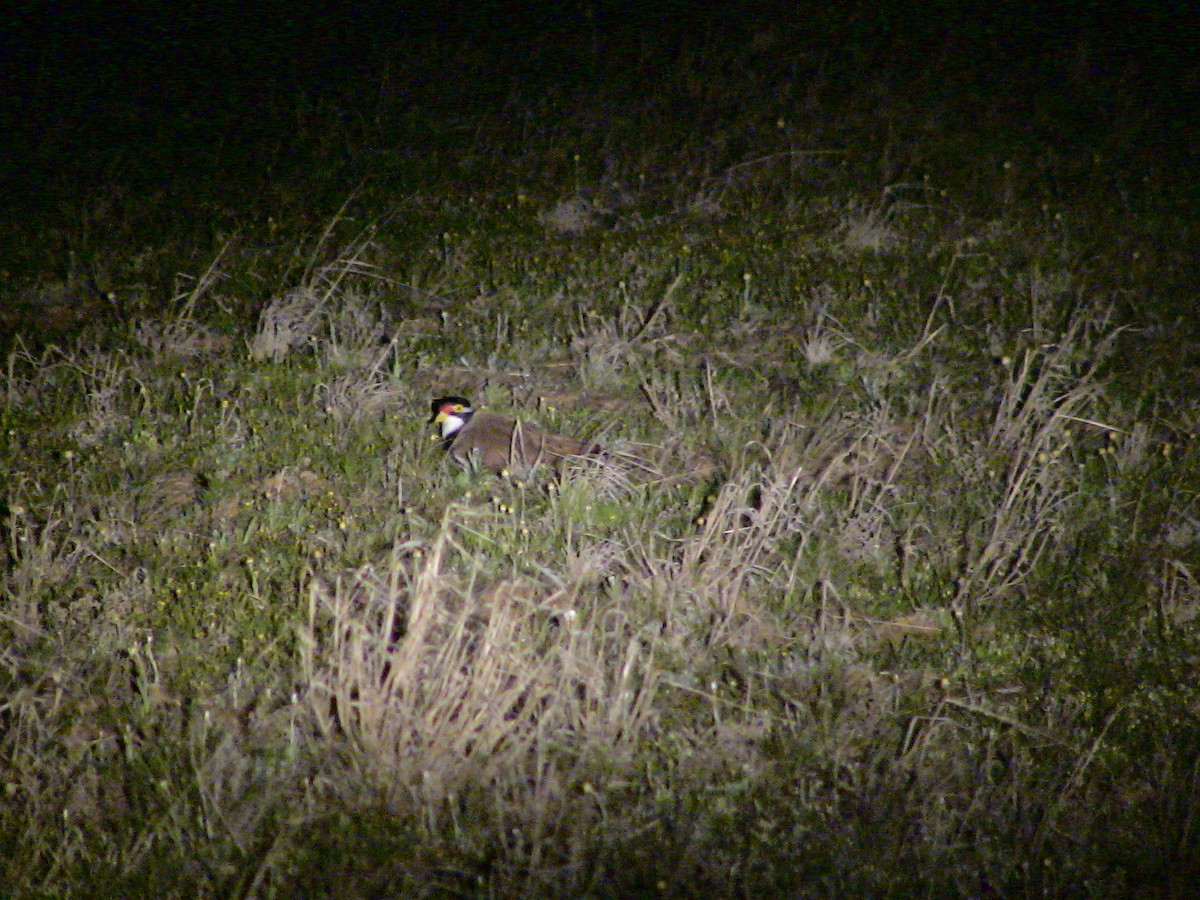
91 87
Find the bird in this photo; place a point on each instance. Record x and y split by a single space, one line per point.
498 443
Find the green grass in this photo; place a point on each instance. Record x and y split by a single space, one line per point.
894 593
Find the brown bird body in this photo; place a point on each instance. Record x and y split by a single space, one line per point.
498 443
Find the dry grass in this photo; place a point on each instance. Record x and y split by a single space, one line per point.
556 661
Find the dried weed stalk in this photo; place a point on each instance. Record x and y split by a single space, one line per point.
1028 445
442 685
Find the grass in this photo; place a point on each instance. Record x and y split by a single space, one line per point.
887 587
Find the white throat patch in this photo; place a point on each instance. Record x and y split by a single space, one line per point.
451 424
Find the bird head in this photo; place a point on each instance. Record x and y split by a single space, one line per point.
451 414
